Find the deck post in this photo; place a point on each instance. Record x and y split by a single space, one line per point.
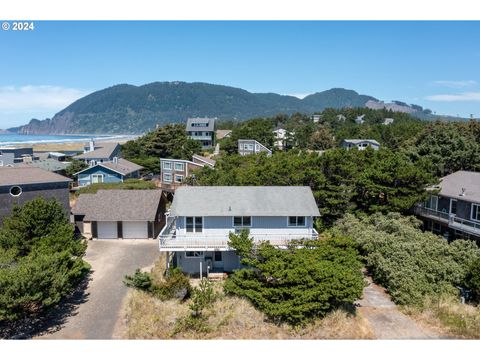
167 255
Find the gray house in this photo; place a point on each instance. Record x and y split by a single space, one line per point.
115 171
203 130
250 146
174 171
201 218
360 144
10 155
94 153
453 207
21 184
120 214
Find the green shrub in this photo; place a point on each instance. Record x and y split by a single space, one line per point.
139 280
472 280
297 284
130 184
202 298
409 263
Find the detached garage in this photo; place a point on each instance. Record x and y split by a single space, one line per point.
120 214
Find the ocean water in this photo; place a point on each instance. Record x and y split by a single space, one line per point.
19 140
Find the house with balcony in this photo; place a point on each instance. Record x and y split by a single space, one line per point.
174 171
453 207
202 130
201 218
250 146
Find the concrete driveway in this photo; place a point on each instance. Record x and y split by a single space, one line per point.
96 315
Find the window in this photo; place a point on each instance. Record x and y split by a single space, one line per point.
179 166
476 212
15 191
296 221
167 165
194 224
432 202
167 178
97 178
217 256
248 146
93 163
242 221
453 206
178 178
193 254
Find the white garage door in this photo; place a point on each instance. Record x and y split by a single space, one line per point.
107 230
135 230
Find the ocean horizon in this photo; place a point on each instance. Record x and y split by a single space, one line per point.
20 139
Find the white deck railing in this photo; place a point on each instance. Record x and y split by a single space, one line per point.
173 242
468 226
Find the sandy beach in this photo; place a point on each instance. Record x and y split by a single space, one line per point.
72 146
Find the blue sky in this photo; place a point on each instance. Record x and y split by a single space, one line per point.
433 64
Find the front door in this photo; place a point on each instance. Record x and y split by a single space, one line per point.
218 260
97 178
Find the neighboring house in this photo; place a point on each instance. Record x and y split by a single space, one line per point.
174 171
361 144
46 164
316 118
360 119
21 184
250 146
388 121
202 217
221 134
115 171
280 138
341 117
203 130
120 214
453 209
97 153
10 155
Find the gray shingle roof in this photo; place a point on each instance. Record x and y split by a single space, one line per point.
211 162
209 124
451 185
28 175
358 141
123 167
102 151
119 205
244 201
45 164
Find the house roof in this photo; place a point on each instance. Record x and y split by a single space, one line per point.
45 164
358 141
452 185
209 124
102 151
220 134
119 205
244 201
183 161
28 175
122 166
208 161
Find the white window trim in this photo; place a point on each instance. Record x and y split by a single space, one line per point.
181 164
194 227
180 176
165 163
242 226
167 181
450 209
471 211
199 254
296 226
434 196
98 176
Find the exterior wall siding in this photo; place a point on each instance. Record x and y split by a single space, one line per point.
191 265
58 191
109 176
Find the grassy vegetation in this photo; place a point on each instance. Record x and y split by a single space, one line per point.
448 316
131 184
230 317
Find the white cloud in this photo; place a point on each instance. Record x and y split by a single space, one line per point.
467 96
456 84
34 98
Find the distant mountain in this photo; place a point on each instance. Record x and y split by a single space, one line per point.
128 109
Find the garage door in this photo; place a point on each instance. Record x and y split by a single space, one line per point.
135 230
107 230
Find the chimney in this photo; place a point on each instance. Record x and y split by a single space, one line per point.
115 160
463 192
92 145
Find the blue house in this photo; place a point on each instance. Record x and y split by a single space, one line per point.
201 218
115 171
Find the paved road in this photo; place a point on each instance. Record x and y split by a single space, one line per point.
111 260
386 321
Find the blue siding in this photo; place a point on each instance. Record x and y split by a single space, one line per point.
109 176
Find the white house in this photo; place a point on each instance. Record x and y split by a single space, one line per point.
361 144
201 218
250 146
